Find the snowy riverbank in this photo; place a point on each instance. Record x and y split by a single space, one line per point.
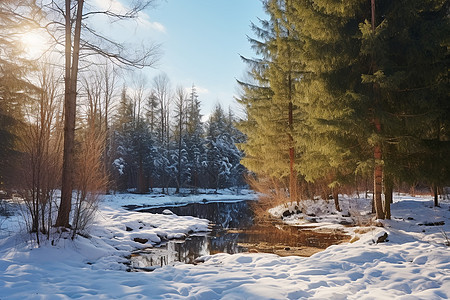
413 264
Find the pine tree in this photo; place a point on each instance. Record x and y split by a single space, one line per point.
123 133
180 135
15 90
367 64
412 82
222 156
194 140
331 98
269 102
235 155
370 89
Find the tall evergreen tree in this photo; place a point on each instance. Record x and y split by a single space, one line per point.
269 103
15 90
412 86
194 139
331 96
180 135
123 131
222 156
369 82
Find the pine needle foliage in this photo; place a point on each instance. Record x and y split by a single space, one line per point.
369 87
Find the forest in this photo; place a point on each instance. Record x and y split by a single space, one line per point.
338 96
137 136
332 182
82 116
343 94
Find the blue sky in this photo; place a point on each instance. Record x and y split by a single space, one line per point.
201 42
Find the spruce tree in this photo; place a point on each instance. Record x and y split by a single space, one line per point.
412 81
269 99
180 152
333 126
15 90
194 140
222 156
123 137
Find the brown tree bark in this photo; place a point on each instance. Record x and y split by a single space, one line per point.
292 173
378 183
336 199
71 77
388 197
377 152
435 195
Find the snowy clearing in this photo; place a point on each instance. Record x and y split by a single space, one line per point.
413 264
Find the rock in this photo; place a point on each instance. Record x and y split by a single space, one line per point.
345 222
287 213
140 240
129 229
199 260
440 223
381 238
167 212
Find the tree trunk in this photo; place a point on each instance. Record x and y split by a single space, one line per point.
292 173
435 195
378 184
336 199
292 176
377 153
70 95
141 182
388 197
180 129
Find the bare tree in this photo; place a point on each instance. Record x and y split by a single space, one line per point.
109 86
99 90
74 24
91 179
42 146
180 118
138 97
162 94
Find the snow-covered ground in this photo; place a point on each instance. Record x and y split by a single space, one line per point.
413 264
155 200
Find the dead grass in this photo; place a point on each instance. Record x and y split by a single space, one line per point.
271 192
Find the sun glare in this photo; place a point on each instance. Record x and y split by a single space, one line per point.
34 44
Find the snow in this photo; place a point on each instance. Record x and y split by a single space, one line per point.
413 264
159 200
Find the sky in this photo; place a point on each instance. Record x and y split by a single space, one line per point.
201 43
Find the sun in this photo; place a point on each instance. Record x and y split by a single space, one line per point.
34 44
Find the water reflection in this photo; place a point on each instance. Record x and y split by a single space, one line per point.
222 214
233 232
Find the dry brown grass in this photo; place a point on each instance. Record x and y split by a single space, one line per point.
91 179
272 193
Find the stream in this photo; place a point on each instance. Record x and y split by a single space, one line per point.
233 231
